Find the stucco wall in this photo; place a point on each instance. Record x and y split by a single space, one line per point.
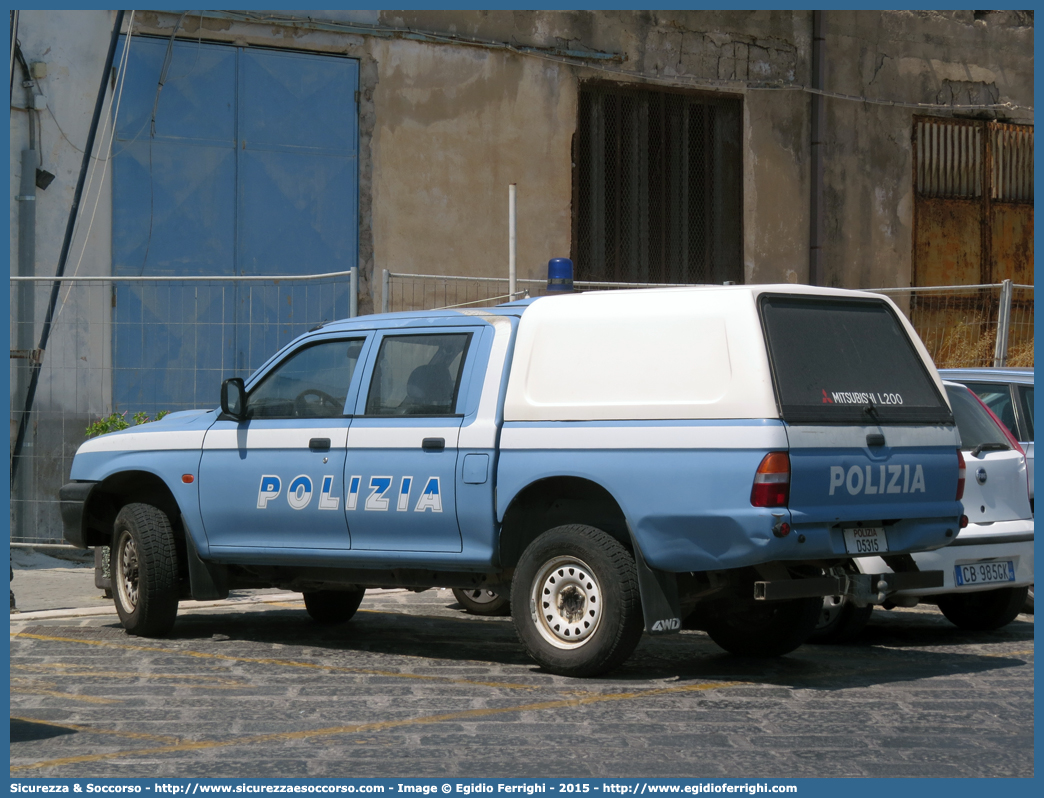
965 57
445 127
456 126
724 48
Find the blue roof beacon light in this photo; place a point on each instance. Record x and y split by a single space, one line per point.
559 275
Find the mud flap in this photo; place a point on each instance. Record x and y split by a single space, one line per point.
102 577
660 604
208 582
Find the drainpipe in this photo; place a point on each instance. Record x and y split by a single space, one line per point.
34 378
816 274
25 324
14 41
23 354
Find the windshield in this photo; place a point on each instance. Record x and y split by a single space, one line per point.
837 360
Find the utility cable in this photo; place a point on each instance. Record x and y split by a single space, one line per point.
584 60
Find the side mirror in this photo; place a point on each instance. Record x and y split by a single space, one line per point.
233 398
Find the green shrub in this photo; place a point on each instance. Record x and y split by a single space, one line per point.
117 421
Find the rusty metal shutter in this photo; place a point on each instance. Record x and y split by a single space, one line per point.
973 226
973 210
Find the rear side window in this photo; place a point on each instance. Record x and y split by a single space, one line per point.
974 424
417 375
1026 394
997 398
846 361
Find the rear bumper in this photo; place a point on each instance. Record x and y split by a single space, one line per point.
72 498
1004 540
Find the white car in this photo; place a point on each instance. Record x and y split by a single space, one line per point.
988 569
1008 393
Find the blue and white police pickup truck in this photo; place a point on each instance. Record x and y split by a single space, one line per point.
618 461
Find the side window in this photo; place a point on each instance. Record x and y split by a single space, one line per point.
974 423
1026 394
311 383
417 375
998 399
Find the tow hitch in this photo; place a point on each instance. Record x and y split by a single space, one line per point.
861 588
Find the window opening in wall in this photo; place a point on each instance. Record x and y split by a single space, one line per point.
657 181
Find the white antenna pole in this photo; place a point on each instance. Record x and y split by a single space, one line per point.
511 242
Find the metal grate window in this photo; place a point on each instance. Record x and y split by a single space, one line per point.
657 186
951 154
1012 162
949 158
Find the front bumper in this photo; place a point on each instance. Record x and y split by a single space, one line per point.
1003 540
72 498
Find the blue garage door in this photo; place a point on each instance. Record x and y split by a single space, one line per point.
247 167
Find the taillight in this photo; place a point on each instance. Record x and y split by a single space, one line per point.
960 475
772 481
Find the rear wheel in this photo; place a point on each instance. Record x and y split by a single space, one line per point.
840 620
144 569
482 602
577 607
330 607
985 611
763 628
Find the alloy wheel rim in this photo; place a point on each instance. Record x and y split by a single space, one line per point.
128 572
832 606
481 596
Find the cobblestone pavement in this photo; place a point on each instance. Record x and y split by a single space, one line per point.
412 687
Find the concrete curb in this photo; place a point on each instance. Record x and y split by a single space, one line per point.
83 612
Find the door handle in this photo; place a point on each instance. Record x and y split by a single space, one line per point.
433 444
323 444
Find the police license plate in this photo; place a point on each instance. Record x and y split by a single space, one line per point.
866 540
984 573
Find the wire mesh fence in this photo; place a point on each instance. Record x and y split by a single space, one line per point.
130 345
973 325
402 292
958 324
137 345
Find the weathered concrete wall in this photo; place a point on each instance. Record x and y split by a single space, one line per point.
963 57
724 48
455 127
72 46
445 127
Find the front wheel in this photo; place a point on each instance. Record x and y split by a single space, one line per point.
476 601
985 611
750 628
577 608
330 607
144 570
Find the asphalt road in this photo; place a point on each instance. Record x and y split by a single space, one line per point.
412 687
